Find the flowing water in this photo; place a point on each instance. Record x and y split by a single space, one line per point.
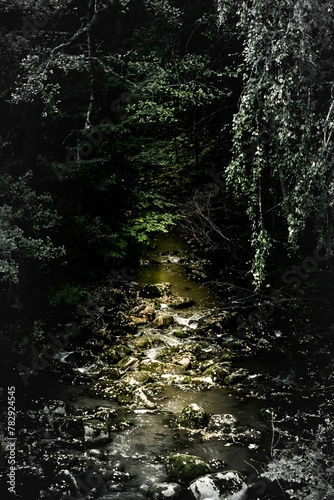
142 447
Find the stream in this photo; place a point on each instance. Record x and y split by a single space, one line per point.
164 366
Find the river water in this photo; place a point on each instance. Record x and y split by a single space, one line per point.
139 450
152 437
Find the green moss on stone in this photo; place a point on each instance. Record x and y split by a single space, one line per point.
185 468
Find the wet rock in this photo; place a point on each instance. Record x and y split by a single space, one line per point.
218 371
111 356
96 454
109 373
163 321
184 361
181 303
228 355
226 485
65 483
105 413
71 429
247 436
184 468
138 378
143 314
193 416
236 376
153 366
182 334
224 423
151 291
148 341
164 491
118 479
54 409
175 369
114 354
96 433
128 363
79 357
142 398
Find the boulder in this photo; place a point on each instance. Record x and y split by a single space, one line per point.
163 321
226 485
96 433
54 409
71 429
181 303
218 371
143 314
193 416
225 422
236 376
182 334
148 313
165 491
184 468
183 360
153 291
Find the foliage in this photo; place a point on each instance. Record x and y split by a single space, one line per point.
27 221
69 294
282 133
307 466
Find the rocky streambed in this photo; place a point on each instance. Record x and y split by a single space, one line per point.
157 398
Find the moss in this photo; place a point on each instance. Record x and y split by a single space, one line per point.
184 468
153 367
147 342
175 369
193 416
181 334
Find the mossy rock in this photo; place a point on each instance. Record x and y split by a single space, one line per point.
184 468
125 398
153 291
112 356
228 355
109 373
236 376
148 342
138 378
126 362
164 491
96 432
217 372
182 334
181 303
105 414
153 366
193 417
163 321
175 369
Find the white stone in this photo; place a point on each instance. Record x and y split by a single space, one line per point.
221 486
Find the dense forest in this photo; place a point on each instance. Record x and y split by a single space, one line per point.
212 120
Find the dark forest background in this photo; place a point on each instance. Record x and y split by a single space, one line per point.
122 119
